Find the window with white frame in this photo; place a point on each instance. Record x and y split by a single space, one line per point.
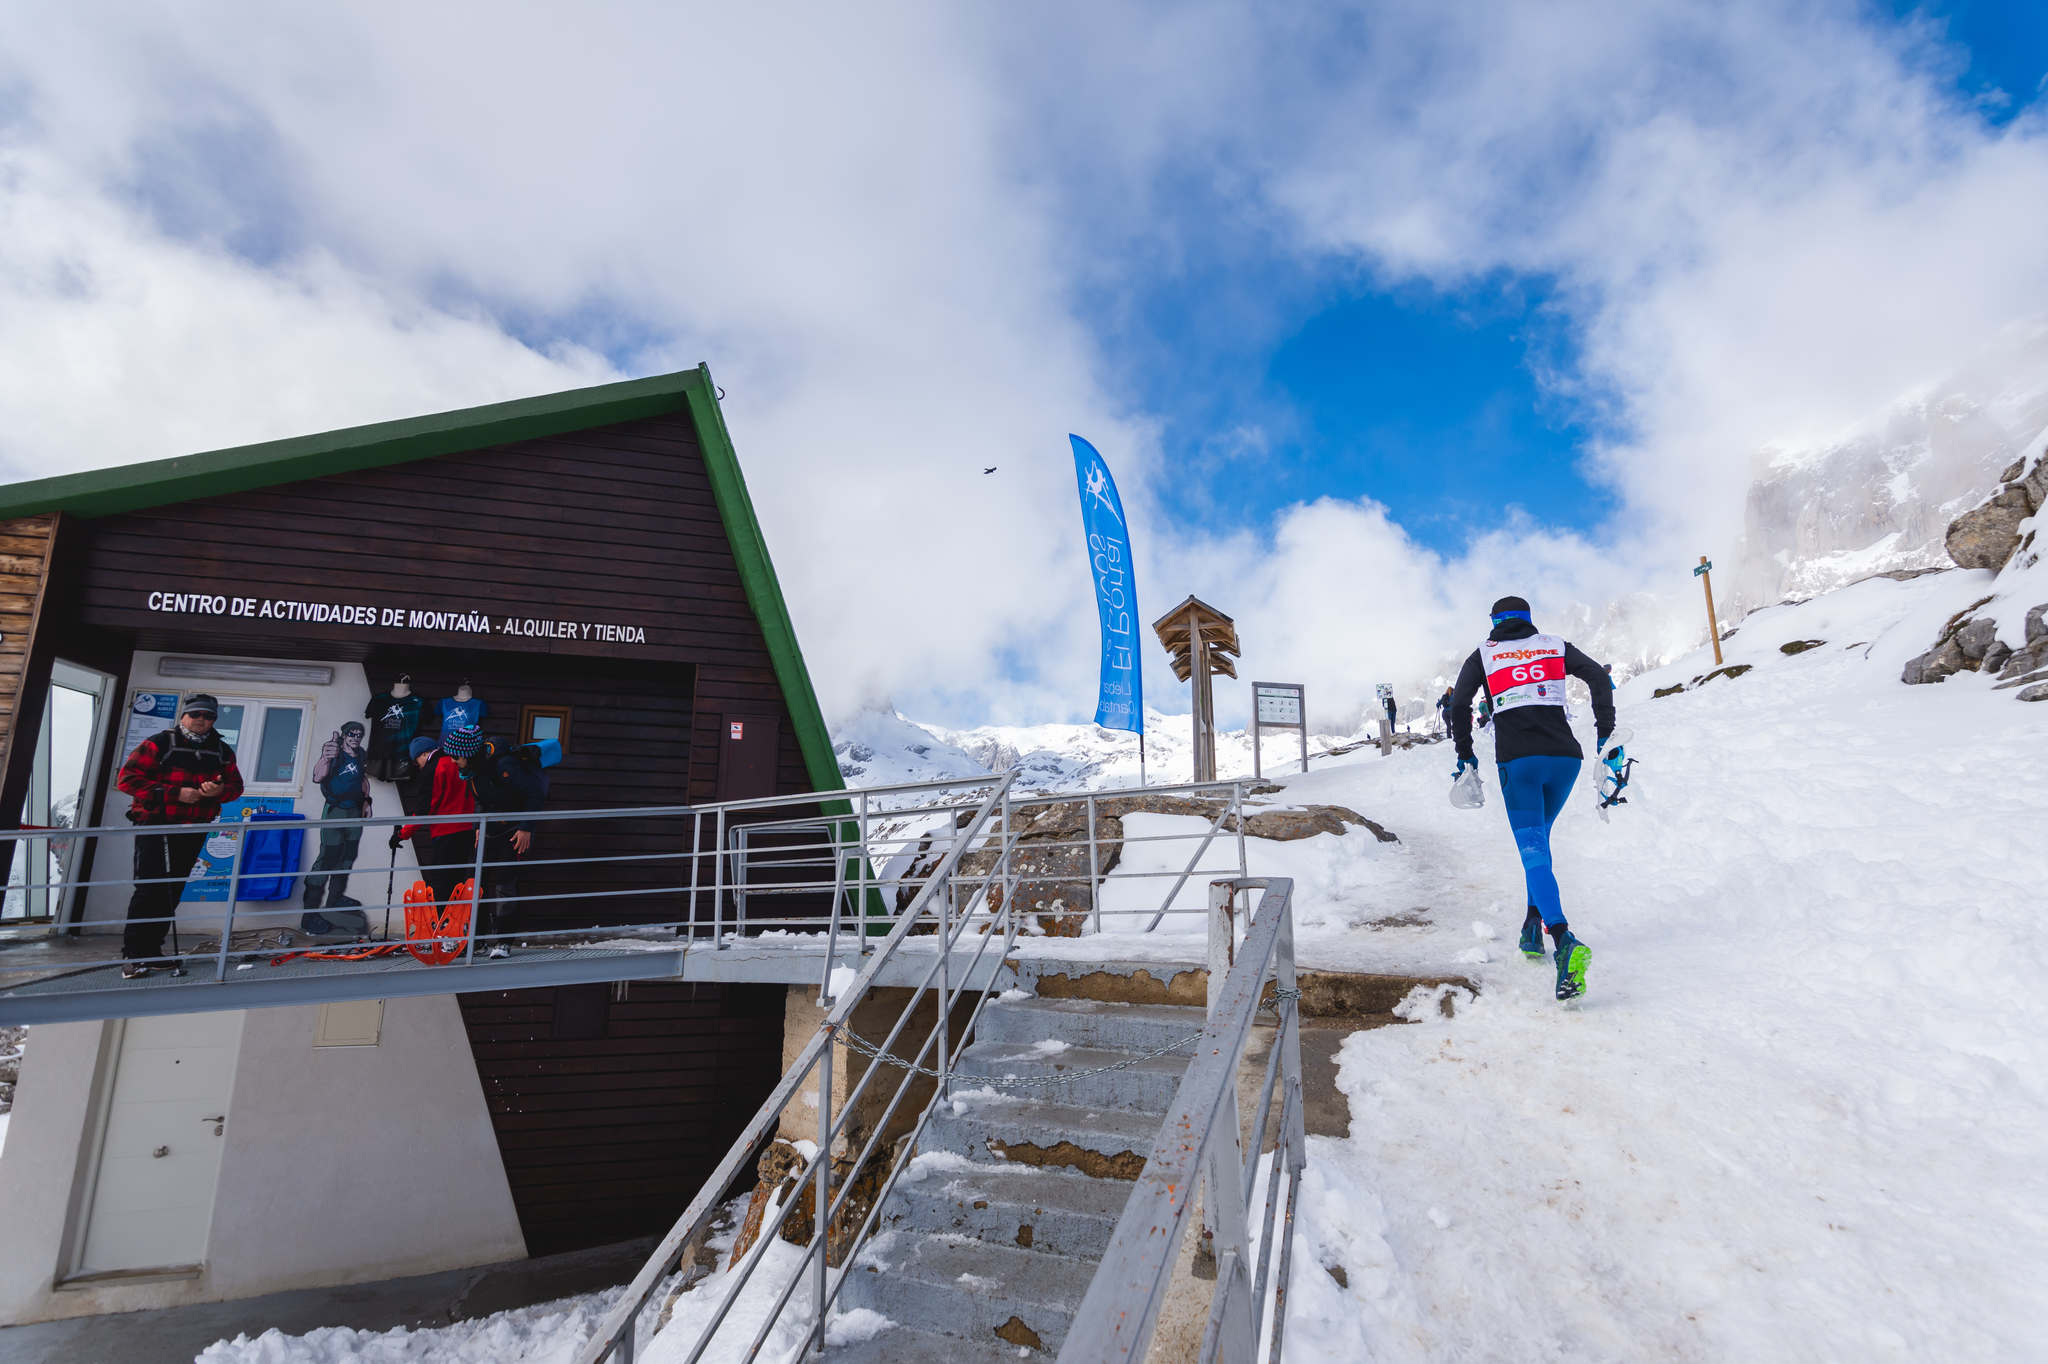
269 735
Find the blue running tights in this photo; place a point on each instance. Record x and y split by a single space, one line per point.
1535 790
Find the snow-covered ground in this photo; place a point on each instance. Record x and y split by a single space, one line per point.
1802 1113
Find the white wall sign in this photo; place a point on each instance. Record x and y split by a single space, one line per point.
149 713
392 617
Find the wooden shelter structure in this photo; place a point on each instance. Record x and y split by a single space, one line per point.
1201 641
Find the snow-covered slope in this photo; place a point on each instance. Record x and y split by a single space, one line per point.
1803 1113
881 748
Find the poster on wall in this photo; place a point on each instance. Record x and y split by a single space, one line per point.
217 858
151 712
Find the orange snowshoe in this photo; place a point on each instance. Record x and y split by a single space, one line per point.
435 933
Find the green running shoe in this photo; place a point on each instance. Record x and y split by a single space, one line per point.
1573 957
1532 936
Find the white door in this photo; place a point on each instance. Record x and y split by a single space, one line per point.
159 1158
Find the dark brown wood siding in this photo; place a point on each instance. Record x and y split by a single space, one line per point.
615 525
608 1136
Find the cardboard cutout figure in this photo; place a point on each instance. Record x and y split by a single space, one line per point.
343 775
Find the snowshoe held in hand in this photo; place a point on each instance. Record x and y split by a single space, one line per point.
1467 791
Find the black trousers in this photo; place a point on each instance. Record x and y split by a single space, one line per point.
501 883
451 860
157 856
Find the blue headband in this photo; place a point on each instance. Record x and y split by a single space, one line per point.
1511 615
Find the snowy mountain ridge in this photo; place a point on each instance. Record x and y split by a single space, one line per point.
879 747
1819 517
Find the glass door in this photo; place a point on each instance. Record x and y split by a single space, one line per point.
62 786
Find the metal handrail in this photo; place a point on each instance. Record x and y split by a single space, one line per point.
1199 1145
615 1338
859 863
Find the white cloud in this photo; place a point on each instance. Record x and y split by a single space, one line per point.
1768 221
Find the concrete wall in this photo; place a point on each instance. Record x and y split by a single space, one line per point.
342 700
341 1165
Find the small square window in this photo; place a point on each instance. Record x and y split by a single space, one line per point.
544 722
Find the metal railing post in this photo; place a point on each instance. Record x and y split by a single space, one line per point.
944 999
838 896
718 886
227 929
476 892
821 1198
1094 863
696 863
1237 810
862 916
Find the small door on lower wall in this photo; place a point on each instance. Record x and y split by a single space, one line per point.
746 755
150 1205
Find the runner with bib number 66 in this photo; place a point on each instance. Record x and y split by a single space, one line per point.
1523 671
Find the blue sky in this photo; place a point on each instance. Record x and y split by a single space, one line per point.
1302 384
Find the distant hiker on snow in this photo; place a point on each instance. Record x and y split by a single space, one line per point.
1393 713
1443 710
1523 672
174 779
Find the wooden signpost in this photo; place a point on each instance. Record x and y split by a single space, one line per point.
1705 573
1200 639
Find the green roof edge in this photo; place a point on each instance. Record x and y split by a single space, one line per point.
764 591
133 487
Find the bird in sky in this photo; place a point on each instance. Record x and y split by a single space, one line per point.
991 469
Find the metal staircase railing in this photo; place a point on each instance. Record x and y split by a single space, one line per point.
1199 1146
940 904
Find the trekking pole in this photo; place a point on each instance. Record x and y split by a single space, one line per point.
390 883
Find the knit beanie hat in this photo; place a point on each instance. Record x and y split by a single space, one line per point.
1513 607
462 741
420 747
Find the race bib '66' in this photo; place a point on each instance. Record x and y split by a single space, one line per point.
1524 672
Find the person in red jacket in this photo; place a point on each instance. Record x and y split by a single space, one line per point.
451 847
177 778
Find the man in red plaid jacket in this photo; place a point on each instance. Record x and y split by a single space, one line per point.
178 777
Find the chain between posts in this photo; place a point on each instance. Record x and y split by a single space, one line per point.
869 1050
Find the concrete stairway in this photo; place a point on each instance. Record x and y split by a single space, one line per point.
988 1243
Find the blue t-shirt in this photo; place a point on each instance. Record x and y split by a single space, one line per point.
455 714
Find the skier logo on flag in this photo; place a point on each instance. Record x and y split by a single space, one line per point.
1100 488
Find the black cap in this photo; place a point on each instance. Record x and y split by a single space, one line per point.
200 703
1507 604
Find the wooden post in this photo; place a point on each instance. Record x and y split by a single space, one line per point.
1205 706
1705 573
1200 640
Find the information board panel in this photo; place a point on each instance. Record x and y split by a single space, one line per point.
1278 705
